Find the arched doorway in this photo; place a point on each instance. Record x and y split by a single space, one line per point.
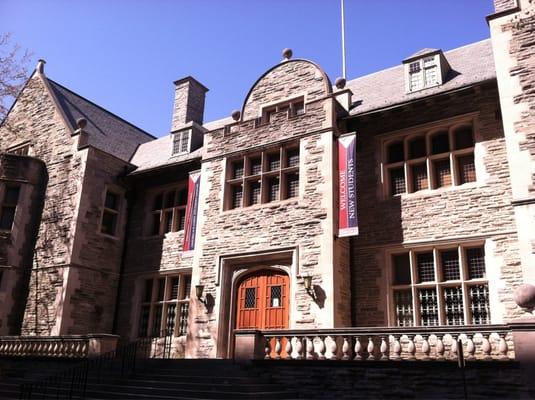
262 300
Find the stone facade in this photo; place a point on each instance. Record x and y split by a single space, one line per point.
138 280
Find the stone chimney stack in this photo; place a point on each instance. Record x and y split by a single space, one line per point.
189 102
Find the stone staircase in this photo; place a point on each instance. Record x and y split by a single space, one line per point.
170 379
270 379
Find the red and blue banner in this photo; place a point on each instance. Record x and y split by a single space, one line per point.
347 185
190 225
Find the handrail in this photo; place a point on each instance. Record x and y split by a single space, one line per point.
71 382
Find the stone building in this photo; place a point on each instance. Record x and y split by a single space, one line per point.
234 224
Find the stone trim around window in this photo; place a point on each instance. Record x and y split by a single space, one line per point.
110 217
10 197
262 177
292 107
428 159
441 285
167 210
164 306
21 149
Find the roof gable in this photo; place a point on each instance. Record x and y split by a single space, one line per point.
106 131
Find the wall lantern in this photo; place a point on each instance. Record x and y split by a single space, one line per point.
199 289
307 283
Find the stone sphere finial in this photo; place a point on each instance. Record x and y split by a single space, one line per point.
287 53
81 122
40 66
524 295
236 114
340 82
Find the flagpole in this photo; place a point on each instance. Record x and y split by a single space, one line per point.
343 41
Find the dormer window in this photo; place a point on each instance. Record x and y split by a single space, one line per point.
181 142
424 69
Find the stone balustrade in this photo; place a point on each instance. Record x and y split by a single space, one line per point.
489 342
72 346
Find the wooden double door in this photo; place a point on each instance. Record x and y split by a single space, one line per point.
263 301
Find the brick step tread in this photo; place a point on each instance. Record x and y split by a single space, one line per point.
194 395
140 386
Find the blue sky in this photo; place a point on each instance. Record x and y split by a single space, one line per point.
125 55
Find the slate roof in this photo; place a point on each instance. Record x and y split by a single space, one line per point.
106 131
469 64
422 52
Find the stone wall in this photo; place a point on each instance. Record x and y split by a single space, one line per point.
35 118
16 245
448 215
514 55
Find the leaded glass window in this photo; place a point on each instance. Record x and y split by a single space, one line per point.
429 159
263 177
428 307
404 311
250 298
162 298
440 286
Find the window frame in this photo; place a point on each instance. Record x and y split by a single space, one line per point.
438 284
289 106
183 298
186 133
264 178
116 212
21 149
428 131
421 73
3 204
174 210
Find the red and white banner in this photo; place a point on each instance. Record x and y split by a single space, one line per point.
347 185
190 225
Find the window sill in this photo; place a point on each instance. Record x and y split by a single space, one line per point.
274 204
438 191
108 236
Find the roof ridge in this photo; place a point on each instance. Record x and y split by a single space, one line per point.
101 108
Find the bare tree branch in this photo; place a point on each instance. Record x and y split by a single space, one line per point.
13 72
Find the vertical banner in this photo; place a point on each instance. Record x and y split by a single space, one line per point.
190 225
347 186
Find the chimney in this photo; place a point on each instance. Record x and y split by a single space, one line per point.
189 102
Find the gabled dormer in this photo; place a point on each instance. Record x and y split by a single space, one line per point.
424 69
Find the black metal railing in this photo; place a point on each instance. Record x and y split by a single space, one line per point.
72 382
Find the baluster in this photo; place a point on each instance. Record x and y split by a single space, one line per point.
396 349
384 349
453 349
439 348
309 348
278 348
370 349
267 350
486 347
358 349
333 347
425 347
502 347
321 348
411 348
470 347
299 348
289 347
345 349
